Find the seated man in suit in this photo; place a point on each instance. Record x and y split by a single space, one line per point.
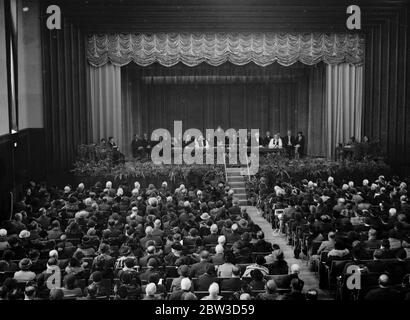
372 243
399 268
384 292
266 139
270 291
234 283
116 154
137 147
299 145
205 280
289 144
294 274
276 142
147 145
261 245
200 267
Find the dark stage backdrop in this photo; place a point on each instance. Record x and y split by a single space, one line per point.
273 98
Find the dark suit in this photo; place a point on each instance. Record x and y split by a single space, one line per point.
265 140
211 239
204 282
289 143
177 295
382 294
199 268
300 141
262 246
135 145
231 284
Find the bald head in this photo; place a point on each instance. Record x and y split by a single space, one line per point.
271 286
384 280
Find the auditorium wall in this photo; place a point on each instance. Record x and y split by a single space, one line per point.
387 87
4 112
30 89
23 154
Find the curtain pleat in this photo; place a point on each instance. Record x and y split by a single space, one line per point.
106 107
344 103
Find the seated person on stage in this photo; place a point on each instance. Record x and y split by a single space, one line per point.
146 144
266 139
276 142
189 142
257 141
116 154
137 147
289 143
349 148
300 145
201 143
103 143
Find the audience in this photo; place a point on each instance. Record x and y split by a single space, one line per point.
129 242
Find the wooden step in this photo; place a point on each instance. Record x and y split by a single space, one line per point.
235 178
236 184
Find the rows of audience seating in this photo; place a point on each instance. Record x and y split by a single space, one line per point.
343 227
127 242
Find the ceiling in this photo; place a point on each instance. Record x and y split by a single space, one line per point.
223 15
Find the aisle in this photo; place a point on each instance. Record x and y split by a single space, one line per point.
310 279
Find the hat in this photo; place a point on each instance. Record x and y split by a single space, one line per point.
125 250
205 216
86 241
152 263
152 201
176 246
151 249
25 264
53 253
243 223
24 234
150 289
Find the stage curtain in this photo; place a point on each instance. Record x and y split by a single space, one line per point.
192 49
344 103
273 98
316 135
108 118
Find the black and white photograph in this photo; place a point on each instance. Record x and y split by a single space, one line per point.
220 151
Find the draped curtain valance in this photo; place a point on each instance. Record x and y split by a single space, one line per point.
192 49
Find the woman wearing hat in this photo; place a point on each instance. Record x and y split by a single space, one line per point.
86 247
4 244
24 275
